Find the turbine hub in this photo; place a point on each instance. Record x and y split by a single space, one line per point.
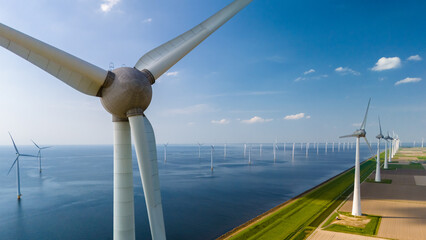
131 89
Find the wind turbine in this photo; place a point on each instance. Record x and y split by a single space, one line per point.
224 151
333 147
317 149
307 149
199 150
301 146
39 154
165 152
260 150
245 149
125 93
211 157
390 139
18 178
326 143
356 207
379 136
249 162
422 141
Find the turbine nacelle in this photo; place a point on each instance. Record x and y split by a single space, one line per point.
380 136
127 89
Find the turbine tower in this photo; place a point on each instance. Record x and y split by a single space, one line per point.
245 148
39 154
379 136
224 151
249 162
390 139
260 150
211 157
165 152
199 150
125 93
18 177
326 143
385 165
360 133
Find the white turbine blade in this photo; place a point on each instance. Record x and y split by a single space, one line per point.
162 58
13 164
365 117
369 146
80 75
46 147
35 144
14 145
380 126
146 153
27 155
347 136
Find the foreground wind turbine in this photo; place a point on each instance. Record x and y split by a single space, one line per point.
39 154
18 178
360 133
379 136
125 93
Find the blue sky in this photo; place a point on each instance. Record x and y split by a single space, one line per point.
291 70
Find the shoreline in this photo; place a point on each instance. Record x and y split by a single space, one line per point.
247 224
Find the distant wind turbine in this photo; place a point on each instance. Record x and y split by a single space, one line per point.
249 155
245 148
389 138
165 152
360 133
18 178
422 141
224 151
126 93
307 149
260 150
379 136
301 146
211 157
317 149
326 143
332 149
39 154
199 150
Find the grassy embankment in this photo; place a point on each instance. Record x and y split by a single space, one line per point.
296 218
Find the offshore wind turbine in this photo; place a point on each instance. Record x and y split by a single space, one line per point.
360 133
326 143
125 93
317 149
224 151
379 136
245 148
18 177
260 149
333 147
307 149
39 154
211 157
199 149
249 161
165 152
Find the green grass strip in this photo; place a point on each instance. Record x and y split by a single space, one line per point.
370 229
312 207
386 181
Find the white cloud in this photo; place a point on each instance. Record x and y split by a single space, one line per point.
356 124
346 70
148 20
108 5
256 119
309 71
308 117
387 63
414 58
190 110
221 121
172 74
408 80
295 116
299 79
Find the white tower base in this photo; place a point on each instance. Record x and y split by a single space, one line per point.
356 206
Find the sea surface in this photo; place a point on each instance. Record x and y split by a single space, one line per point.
72 198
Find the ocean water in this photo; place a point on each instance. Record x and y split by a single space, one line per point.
72 197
